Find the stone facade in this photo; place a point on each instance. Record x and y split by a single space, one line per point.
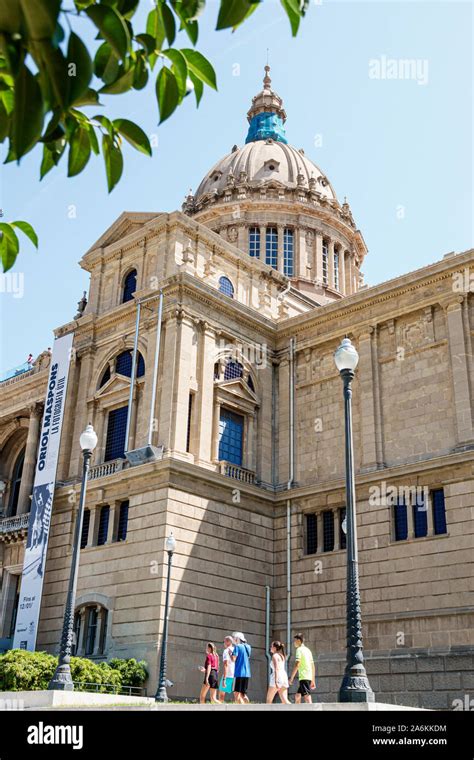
412 430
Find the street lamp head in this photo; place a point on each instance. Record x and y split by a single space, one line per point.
346 356
88 439
170 544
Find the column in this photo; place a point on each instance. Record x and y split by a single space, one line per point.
459 373
168 363
280 249
182 385
283 420
348 273
205 396
215 431
143 419
29 465
113 508
81 411
367 402
101 432
342 271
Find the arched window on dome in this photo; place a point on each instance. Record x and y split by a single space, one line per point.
129 286
226 287
254 242
271 247
288 252
336 268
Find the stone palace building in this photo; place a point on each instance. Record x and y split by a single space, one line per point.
261 278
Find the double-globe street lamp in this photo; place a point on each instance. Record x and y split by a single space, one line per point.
355 685
62 679
161 694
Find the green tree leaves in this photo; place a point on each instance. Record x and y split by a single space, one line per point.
48 74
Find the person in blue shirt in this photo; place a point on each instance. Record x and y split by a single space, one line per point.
241 658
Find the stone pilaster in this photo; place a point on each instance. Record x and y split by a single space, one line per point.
85 382
365 373
205 395
185 335
459 373
29 464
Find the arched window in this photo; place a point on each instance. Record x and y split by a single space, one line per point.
226 287
129 286
233 370
288 252
254 242
105 378
15 484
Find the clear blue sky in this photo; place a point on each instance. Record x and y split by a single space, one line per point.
394 147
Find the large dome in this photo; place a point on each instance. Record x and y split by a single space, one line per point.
264 161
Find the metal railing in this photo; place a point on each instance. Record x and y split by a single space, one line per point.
106 468
237 473
20 369
12 524
110 688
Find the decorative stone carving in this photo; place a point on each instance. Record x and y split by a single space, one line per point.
232 234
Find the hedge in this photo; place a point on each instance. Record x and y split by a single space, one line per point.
21 670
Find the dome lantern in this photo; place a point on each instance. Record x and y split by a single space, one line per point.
266 115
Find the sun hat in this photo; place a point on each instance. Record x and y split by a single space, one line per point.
239 635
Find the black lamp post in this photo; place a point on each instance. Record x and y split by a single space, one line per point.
62 679
355 685
161 695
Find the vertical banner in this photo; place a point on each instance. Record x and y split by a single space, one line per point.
42 499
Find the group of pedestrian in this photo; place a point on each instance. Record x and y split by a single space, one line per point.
236 671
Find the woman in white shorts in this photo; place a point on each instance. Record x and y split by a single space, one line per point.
278 676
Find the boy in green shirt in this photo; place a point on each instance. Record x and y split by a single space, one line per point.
305 666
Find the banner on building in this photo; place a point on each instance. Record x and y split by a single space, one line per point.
42 498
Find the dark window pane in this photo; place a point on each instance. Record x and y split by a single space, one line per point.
231 430
116 429
328 531
188 429
311 534
140 365
401 521
342 535
439 511
420 521
77 633
91 630
250 383
129 286
103 525
105 377
85 527
123 521
288 252
103 631
15 484
16 601
123 363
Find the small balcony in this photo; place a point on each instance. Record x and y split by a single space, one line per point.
106 468
14 528
237 473
14 372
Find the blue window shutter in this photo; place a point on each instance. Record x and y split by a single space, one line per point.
116 429
439 511
231 432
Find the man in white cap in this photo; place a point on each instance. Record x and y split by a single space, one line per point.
241 658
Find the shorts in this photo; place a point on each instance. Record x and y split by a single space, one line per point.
304 688
226 686
241 685
213 680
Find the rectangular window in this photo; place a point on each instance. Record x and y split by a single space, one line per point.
325 262
188 429
85 528
16 600
254 242
336 270
231 433
328 531
400 520
311 534
123 521
288 252
439 511
420 522
271 247
116 429
103 525
342 534
91 630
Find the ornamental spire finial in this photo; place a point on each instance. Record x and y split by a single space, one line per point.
266 115
266 79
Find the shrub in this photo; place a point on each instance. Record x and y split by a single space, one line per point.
21 670
133 673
